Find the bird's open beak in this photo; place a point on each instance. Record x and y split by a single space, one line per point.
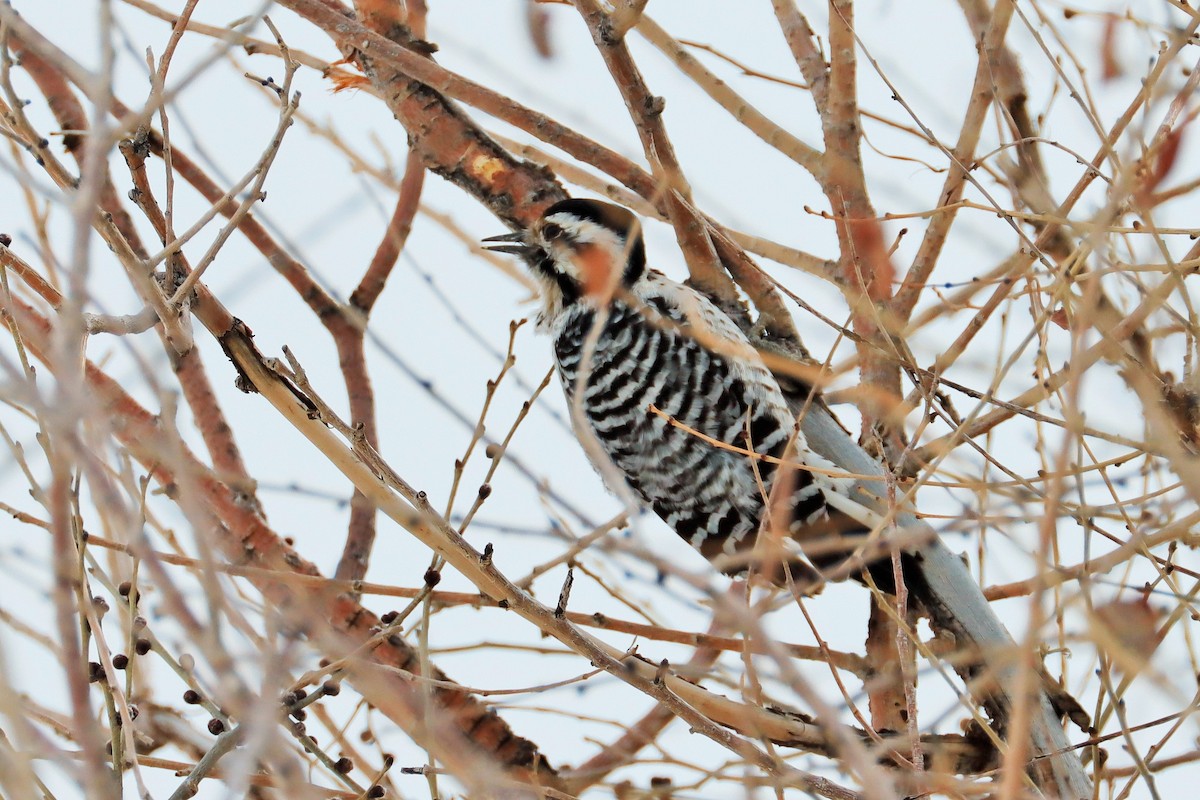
513 243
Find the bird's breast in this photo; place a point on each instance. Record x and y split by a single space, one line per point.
671 414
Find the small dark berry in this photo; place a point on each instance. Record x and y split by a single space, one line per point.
120 661
216 727
344 765
141 646
95 672
331 688
376 791
191 696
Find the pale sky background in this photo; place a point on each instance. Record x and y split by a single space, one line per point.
444 316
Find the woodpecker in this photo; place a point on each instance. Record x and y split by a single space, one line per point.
680 402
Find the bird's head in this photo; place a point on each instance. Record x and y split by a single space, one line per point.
580 249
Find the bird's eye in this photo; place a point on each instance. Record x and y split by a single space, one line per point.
551 231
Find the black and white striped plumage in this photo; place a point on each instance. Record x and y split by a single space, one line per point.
627 341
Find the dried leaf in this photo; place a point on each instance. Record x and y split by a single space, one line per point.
1111 67
343 80
1167 155
1128 631
539 29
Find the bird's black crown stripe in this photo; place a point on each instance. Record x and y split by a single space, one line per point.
615 218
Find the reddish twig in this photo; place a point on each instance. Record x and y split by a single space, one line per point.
645 110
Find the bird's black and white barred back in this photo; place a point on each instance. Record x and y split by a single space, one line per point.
629 342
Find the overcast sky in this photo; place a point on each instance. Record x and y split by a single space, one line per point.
441 327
